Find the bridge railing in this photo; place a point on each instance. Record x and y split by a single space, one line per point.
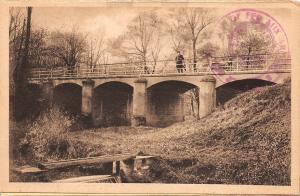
210 65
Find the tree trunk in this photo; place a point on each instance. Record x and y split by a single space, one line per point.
25 66
194 55
20 101
192 104
19 57
195 91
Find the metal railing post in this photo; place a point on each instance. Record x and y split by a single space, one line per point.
51 73
266 62
210 63
237 63
64 72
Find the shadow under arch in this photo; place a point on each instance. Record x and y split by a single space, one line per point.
68 97
112 104
166 102
229 90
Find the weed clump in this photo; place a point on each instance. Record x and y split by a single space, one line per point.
48 138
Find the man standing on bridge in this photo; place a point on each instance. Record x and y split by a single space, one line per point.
179 62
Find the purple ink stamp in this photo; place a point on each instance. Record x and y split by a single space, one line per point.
253 41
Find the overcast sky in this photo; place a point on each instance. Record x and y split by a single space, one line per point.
113 20
93 20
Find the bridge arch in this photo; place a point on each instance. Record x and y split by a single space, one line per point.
273 77
172 84
192 80
112 104
68 97
166 102
126 81
67 81
231 89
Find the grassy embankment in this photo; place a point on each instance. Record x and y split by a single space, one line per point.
245 142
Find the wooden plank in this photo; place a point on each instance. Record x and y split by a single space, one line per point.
144 157
27 169
88 179
86 161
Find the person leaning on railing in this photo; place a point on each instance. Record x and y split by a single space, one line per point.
179 62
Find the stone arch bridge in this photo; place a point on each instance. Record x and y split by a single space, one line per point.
128 93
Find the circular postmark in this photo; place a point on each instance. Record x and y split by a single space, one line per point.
254 41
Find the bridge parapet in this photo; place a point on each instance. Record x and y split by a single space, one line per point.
204 66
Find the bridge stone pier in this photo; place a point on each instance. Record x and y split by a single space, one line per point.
139 102
87 97
47 91
207 96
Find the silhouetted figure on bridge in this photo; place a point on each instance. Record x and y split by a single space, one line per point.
179 62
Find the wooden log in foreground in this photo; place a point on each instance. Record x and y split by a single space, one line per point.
27 169
86 161
91 179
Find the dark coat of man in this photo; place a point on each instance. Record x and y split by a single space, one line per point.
179 62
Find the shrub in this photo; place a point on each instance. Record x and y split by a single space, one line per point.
47 137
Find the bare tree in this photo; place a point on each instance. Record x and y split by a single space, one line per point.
187 27
194 22
68 47
38 49
155 49
21 66
141 42
19 40
95 53
254 42
246 40
208 50
176 31
17 25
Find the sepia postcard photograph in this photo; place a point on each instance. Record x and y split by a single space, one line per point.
150 97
